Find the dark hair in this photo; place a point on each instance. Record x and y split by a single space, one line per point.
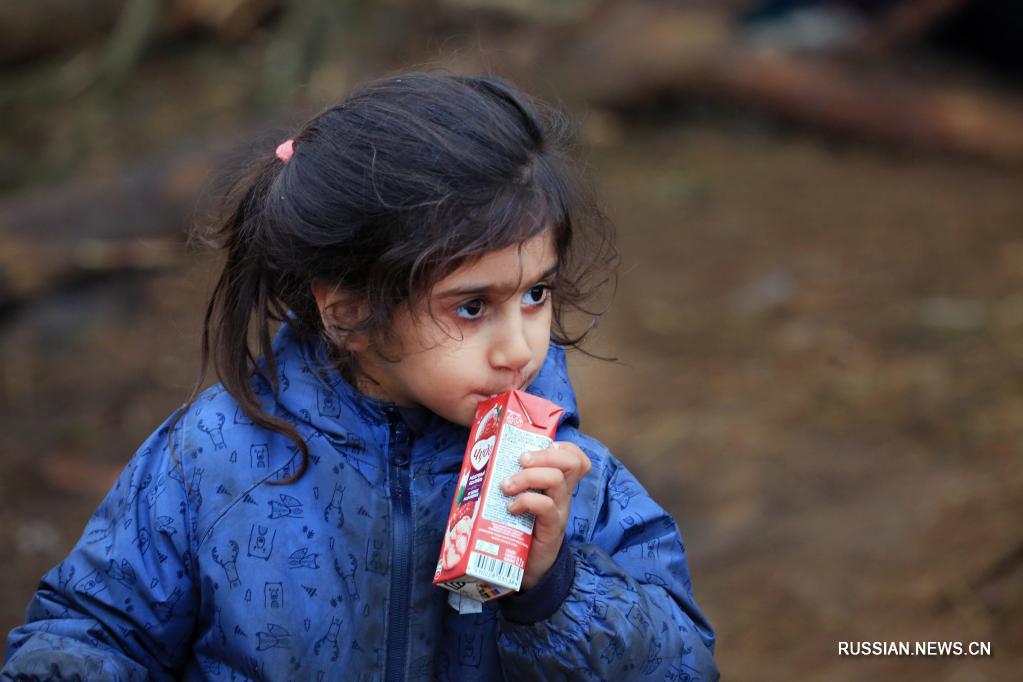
386 193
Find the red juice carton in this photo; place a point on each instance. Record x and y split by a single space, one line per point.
485 547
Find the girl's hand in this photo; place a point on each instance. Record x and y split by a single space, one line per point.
553 472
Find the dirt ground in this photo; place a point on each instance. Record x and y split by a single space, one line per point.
823 385
821 354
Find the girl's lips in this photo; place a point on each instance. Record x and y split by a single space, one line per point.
481 396
487 393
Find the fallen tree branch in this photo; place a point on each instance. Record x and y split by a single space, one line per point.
30 270
697 53
907 22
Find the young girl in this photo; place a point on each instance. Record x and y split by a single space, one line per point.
418 244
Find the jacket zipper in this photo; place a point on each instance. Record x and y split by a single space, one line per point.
401 546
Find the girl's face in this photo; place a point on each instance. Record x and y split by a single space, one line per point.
484 330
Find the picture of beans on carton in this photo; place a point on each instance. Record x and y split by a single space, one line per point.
485 547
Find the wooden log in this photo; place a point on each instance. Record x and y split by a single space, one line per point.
908 21
696 53
30 270
149 199
841 99
56 236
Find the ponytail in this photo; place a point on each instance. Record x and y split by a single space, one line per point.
244 290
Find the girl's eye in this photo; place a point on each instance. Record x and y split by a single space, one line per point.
536 295
470 310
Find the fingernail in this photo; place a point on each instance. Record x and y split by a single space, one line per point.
527 457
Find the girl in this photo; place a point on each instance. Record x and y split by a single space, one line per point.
418 245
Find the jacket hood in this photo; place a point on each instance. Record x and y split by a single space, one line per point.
307 378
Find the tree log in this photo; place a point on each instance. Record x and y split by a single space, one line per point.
96 227
631 53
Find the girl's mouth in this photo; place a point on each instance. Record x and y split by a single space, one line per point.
488 393
483 395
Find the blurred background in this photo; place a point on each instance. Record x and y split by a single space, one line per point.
819 321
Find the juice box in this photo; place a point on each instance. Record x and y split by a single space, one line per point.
485 547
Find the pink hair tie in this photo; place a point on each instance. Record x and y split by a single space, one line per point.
285 150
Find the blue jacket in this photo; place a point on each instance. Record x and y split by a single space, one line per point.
196 567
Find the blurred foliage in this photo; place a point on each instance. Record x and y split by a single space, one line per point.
87 103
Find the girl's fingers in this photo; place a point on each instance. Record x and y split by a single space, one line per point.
560 455
547 479
540 478
543 506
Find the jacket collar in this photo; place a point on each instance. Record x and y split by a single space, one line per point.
313 391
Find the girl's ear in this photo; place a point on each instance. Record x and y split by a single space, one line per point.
340 310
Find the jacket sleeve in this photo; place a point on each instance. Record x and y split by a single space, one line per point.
629 613
121 606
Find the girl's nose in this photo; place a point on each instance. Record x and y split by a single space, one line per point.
510 349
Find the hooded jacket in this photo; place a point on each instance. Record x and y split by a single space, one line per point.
196 566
